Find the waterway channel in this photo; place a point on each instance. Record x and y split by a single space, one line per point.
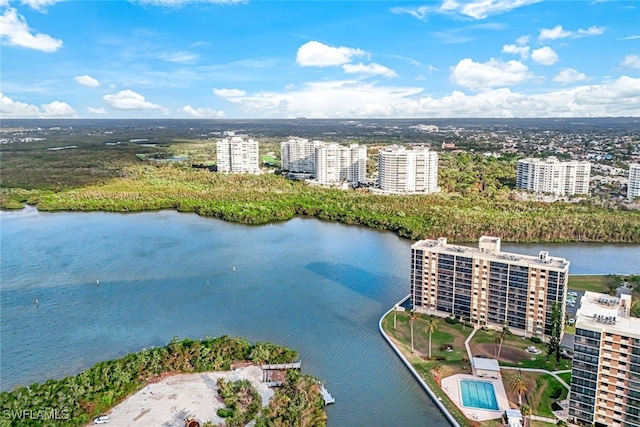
109 284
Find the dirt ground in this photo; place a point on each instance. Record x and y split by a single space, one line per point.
507 354
168 402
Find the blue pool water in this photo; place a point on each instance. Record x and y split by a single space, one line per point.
478 394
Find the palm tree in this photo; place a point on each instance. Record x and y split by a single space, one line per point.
519 384
505 331
412 316
526 412
395 312
436 370
432 325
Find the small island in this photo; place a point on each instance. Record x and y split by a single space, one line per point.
226 369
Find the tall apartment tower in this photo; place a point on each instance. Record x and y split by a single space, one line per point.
336 163
553 176
633 189
487 286
299 155
605 379
237 155
407 171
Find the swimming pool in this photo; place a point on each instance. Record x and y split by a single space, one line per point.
478 394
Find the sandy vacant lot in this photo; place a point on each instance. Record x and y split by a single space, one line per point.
169 402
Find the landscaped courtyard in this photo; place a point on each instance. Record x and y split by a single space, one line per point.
449 357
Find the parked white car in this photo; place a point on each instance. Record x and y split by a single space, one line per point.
101 419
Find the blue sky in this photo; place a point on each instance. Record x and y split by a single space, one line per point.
325 59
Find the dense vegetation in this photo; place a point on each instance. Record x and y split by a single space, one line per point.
260 199
78 399
477 192
242 402
297 403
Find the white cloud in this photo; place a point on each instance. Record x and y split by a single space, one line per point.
18 110
372 69
14 31
631 61
202 112
591 31
636 37
87 81
523 51
569 75
229 93
522 40
476 9
181 56
493 73
180 3
544 55
343 99
558 32
481 9
554 33
96 110
39 5
129 100
316 54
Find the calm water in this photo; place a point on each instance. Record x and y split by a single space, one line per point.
314 286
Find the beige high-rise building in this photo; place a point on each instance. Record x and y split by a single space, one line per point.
633 189
338 163
237 155
553 176
605 379
407 171
488 286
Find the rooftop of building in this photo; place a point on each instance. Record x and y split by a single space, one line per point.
605 312
489 248
550 160
399 148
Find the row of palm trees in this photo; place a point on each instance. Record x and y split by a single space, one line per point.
431 324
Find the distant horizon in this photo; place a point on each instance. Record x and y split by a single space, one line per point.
264 59
346 119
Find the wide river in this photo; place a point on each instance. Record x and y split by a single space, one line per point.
314 286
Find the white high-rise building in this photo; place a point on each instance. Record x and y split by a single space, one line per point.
407 171
554 176
299 155
633 189
237 155
336 163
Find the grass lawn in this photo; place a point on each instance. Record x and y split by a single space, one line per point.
566 377
513 351
450 363
587 283
543 391
270 159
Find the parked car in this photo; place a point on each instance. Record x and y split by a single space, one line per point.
101 419
573 294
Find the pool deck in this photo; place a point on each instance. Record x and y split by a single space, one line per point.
451 386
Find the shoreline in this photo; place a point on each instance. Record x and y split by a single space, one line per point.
417 376
398 232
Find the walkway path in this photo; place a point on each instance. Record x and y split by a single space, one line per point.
544 419
544 371
466 345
